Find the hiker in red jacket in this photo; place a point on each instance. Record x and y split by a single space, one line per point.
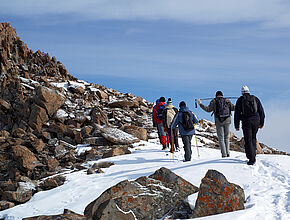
158 115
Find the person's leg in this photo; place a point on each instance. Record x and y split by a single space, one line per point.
163 135
227 138
247 131
220 133
170 135
187 147
255 127
175 138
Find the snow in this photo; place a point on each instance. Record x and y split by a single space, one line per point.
266 184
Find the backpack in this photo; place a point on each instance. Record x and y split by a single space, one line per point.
160 111
249 105
187 122
222 109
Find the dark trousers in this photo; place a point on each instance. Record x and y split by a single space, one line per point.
186 139
173 138
250 129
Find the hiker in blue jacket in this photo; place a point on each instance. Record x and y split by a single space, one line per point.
186 132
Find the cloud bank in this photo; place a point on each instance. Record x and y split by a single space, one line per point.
276 130
269 13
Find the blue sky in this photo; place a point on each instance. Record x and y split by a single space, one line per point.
183 49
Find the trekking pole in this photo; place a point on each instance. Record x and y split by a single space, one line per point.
196 141
213 98
172 144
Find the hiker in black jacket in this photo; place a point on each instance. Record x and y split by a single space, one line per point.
250 111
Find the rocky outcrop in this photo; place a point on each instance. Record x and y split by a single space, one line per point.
216 195
67 215
147 197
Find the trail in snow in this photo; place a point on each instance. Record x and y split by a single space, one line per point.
266 184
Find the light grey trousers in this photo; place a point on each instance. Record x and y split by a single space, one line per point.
223 133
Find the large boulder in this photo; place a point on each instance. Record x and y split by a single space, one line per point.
140 133
117 150
109 210
216 195
37 117
67 215
147 197
25 159
117 136
49 99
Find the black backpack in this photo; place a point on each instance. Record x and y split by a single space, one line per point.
249 105
187 122
160 111
222 109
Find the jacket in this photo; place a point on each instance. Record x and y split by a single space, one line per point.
260 115
178 121
155 113
169 113
211 108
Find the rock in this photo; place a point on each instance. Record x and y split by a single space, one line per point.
122 104
52 182
67 215
4 105
26 160
37 117
117 151
140 133
97 141
4 133
6 205
101 94
147 198
216 195
18 133
48 99
38 145
102 165
259 148
110 210
19 196
117 136
52 164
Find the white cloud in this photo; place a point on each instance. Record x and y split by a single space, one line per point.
270 13
276 130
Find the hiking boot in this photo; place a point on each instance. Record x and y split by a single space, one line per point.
164 147
251 162
228 155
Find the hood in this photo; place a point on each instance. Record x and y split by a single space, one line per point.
184 109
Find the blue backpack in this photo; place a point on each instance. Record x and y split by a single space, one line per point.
160 111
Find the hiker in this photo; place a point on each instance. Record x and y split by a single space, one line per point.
154 122
250 111
158 115
221 108
185 121
169 113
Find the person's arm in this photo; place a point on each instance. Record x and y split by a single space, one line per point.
231 105
194 118
208 108
261 113
237 115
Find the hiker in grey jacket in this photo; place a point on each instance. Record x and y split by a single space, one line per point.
222 123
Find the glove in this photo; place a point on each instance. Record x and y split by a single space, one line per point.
198 101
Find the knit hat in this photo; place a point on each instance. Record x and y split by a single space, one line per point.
169 101
218 93
182 103
245 89
162 99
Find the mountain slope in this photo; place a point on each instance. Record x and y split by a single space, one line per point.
266 184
